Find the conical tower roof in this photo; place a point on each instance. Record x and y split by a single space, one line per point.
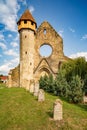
27 16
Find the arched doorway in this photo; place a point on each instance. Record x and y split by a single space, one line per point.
44 71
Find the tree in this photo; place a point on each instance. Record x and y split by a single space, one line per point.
70 82
75 93
61 84
75 67
85 85
47 83
43 82
50 84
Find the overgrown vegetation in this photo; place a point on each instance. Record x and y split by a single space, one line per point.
20 110
70 82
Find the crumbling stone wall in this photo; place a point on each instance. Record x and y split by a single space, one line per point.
13 77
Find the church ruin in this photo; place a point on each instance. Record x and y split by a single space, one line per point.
32 64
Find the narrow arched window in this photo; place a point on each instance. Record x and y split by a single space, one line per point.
45 31
25 36
26 52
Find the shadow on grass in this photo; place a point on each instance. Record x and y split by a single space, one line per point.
50 114
83 106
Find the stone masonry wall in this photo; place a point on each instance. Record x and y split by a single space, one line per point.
15 77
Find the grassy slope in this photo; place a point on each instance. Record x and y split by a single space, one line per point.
20 110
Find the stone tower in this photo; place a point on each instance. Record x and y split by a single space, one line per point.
26 29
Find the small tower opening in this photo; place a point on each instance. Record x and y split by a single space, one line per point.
30 63
25 21
25 36
26 52
32 23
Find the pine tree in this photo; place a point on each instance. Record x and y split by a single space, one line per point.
75 93
61 84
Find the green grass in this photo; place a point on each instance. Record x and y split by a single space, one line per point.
20 110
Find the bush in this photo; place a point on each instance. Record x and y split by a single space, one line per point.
75 93
43 82
61 84
70 82
47 83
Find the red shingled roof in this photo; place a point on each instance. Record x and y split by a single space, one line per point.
3 77
27 16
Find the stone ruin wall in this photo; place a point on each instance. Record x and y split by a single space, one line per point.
13 77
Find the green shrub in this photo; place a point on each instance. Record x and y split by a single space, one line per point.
47 83
75 93
61 84
70 82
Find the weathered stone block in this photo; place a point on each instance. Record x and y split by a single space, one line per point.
36 89
41 95
57 110
31 87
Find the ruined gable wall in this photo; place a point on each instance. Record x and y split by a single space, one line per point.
54 40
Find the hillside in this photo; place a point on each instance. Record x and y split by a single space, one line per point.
20 110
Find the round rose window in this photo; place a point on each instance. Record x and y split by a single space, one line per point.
45 50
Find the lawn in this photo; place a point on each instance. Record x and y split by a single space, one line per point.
20 110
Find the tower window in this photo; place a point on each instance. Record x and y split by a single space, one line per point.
25 36
25 21
26 52
30 63
45 31
32 23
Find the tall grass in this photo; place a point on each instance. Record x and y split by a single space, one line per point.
20 110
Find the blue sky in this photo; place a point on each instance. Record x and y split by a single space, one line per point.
68 18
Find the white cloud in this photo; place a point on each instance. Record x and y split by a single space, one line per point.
4 69
79 54
24 2
61 33
9 35
15 61
14 44
11 52
8 14
71 30
17 37
3 46
31 8
84 37
2 37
